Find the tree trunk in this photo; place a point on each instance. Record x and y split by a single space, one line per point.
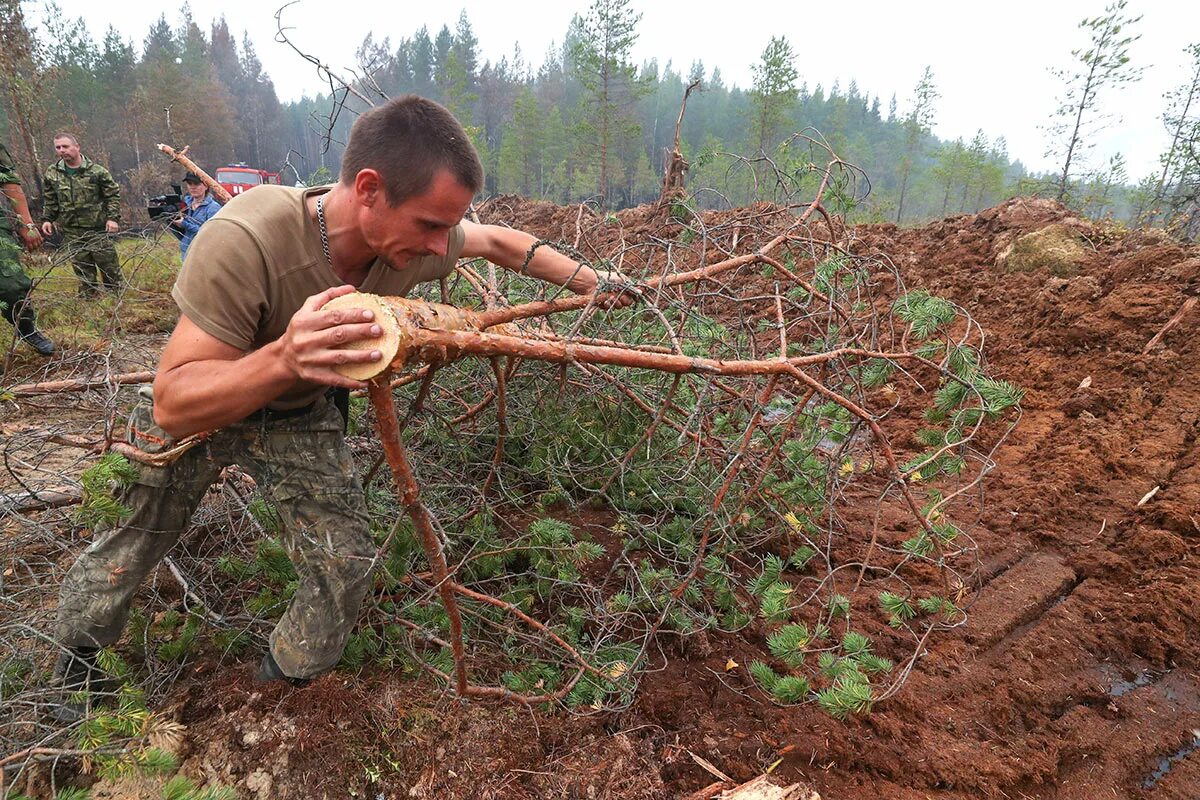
1083 104
676 165
1158 193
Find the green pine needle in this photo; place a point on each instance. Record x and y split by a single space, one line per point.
791 689
800 558
855 644
848 695
874 664
788 644
764 675
776 602
919 545
157 762
897 607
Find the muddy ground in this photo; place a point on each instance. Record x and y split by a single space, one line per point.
1076 677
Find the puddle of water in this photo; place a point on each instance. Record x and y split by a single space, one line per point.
1143 678
1165 764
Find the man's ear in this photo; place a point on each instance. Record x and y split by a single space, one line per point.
368 187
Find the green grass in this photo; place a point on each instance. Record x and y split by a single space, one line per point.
150 265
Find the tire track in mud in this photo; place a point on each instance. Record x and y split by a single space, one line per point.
1142 740
1045 623
1018 598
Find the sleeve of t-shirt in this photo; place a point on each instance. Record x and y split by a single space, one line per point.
222 287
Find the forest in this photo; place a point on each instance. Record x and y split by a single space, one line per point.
585 122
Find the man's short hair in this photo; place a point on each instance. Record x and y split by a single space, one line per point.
407 140
66 135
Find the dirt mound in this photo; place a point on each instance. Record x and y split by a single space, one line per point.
1075 676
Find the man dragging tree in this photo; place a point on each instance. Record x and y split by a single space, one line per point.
252 360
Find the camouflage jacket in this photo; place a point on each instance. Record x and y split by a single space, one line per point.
85 200
8 174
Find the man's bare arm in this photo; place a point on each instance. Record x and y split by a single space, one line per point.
506 247
203 383
31 237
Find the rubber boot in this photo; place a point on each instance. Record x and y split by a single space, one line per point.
76 675
268 670
29 333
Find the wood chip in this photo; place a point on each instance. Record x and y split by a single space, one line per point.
709 768
1148 496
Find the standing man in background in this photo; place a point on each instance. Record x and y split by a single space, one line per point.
85 202
14 283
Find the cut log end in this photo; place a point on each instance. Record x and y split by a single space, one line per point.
387 344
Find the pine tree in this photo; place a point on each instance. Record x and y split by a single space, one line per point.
774 91
522 164
22 81
1105 63
465 50
976 156
948 169
602 65
1178 186
916 126
422 62
442 45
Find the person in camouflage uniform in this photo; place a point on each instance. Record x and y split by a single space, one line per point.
84 201
252 360
302 464
15 285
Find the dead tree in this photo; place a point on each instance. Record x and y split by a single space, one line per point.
180 156
676 165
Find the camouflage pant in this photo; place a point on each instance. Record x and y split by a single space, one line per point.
15 284
91 251
304 466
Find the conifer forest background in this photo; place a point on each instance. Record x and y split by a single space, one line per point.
579 121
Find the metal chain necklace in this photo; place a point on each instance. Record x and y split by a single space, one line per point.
321 224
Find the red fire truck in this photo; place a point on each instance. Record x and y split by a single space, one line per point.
237 178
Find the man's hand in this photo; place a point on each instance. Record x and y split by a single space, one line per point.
30 237
111 226
310 345
620 291
47 229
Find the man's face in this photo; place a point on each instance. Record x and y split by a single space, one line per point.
420 225
67 150
195 190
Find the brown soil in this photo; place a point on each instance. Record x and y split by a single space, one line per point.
1076 676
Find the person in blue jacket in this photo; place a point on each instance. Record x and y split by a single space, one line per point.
200 209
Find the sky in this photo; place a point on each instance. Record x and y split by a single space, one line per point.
990 61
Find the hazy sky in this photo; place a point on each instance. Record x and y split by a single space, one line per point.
989 60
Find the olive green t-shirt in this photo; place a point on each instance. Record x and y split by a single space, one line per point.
252 266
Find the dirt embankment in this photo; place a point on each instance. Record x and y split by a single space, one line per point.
1075 678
